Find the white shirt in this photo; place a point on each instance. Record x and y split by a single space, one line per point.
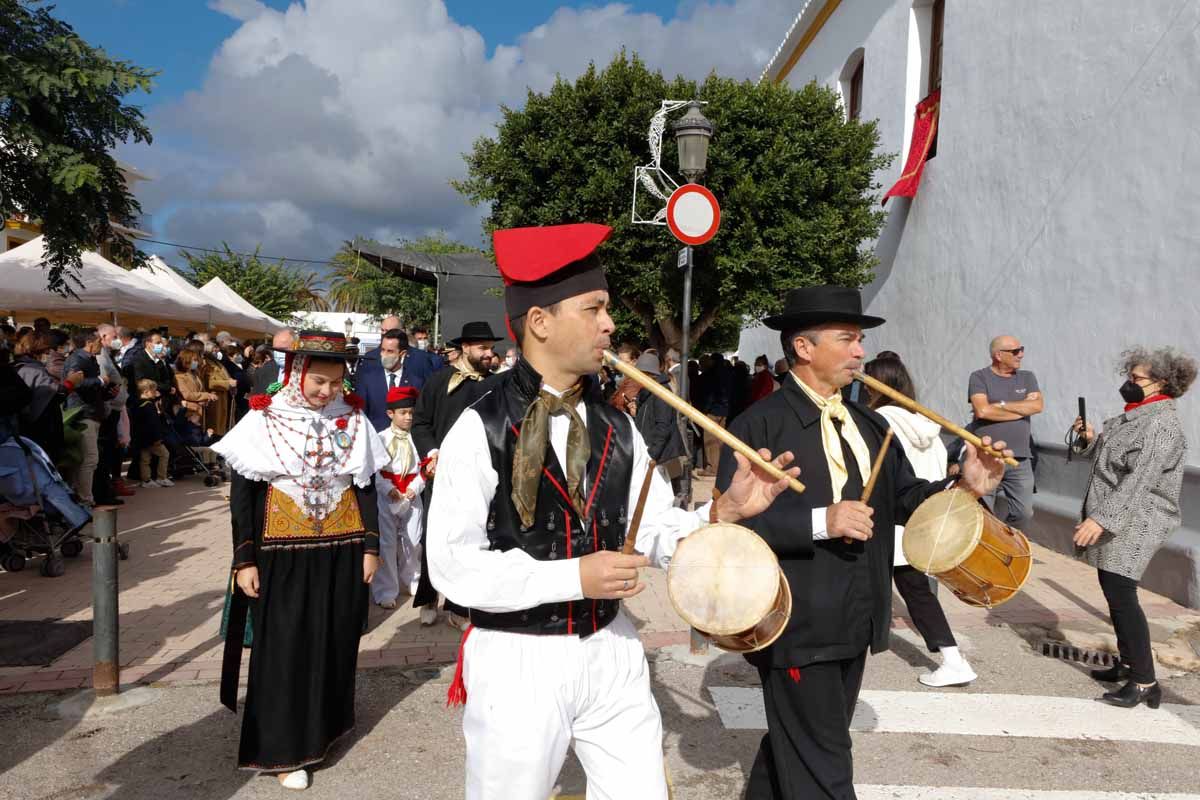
462 567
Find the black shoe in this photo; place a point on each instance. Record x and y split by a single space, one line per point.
1117 672
1131 694
110 501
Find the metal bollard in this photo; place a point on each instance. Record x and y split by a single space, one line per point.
106 672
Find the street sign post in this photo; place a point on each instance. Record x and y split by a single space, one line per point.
693 214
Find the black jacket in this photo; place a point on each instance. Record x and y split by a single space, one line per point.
841 593
92 393
659 425
436 410
146 424
143 367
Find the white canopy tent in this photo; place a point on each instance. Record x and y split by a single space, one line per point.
109 294
220 291
222 316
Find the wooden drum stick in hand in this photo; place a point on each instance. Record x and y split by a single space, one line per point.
876 468
636 521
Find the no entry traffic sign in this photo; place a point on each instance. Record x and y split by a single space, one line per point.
693 214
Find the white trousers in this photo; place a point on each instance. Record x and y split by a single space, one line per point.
399 547
529 696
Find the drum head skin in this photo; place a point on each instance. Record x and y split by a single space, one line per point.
723 579
943 531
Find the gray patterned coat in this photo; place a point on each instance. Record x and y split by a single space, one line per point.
1134 489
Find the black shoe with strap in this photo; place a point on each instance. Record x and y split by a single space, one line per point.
1131 694
1117 672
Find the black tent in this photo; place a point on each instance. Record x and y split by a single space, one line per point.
469 287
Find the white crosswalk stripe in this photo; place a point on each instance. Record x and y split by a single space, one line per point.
976 793
987 715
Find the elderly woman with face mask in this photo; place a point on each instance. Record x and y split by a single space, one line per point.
305 546
1132 505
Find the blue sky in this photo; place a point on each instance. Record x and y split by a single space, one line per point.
299 125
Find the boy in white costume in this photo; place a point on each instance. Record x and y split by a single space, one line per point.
399 486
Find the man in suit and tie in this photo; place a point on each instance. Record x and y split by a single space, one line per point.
394 364
834 550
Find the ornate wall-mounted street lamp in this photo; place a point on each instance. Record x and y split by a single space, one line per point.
692 133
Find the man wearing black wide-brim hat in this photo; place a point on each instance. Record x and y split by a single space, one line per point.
445 394
835 551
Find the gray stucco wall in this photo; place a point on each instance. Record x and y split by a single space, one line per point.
1061 207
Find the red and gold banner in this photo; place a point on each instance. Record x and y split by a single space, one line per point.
923 135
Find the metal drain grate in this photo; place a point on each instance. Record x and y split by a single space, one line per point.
1067 652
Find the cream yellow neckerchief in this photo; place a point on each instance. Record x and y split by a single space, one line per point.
398 445
832 409
466 372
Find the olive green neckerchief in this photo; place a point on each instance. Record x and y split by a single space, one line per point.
530 455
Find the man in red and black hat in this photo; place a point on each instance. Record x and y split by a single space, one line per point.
835 551
535 485
446 394
399 486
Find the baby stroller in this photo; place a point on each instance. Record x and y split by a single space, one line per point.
38 515
190 452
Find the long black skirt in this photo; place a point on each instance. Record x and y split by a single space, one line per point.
310 614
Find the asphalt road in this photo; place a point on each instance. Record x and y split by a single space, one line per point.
408 746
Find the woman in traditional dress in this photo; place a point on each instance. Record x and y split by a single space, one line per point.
306 544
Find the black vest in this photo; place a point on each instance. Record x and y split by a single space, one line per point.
559 530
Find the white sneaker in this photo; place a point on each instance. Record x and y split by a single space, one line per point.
150 484
428 615
297 780
388 604
959 674
166 482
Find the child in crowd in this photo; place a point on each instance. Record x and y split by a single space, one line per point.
149 430
398 487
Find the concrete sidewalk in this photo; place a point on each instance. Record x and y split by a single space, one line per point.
172 591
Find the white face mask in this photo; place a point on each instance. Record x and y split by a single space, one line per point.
280 358
389 361
759 368
422 344
510 362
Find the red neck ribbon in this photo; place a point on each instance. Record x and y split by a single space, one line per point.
1154 398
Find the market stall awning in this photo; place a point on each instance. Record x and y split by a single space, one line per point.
221 315
220 291
923 136
109 293
468 284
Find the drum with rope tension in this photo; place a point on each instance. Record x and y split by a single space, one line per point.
952 537
725 581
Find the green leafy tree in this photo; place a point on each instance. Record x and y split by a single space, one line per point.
357 284
793 176
271 287
62 111
309 294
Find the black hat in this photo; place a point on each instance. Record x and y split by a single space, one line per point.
321 344
475 332
814 305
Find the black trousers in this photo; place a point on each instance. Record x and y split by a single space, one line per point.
1129 622
923 607
805 754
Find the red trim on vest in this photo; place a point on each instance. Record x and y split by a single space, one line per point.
599 472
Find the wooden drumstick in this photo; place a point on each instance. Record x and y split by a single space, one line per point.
914 406
636 521
876 468
698 417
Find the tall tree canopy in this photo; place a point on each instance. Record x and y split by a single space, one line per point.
793 176
62 111
358 285
271 287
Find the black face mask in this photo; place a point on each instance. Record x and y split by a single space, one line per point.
1132 393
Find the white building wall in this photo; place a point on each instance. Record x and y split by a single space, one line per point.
1062 204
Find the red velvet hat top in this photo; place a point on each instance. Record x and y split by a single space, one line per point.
543 265
401 397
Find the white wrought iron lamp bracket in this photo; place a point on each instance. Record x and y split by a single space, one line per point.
653 179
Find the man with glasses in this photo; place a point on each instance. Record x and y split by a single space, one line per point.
1003 398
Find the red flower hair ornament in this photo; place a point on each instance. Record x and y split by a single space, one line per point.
260 402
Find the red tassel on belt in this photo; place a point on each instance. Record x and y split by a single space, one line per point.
456 695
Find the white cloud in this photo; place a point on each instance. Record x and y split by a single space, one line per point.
340 117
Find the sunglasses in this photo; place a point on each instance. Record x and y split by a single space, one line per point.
1016 351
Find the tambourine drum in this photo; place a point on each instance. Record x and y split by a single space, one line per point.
725 581
953 537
